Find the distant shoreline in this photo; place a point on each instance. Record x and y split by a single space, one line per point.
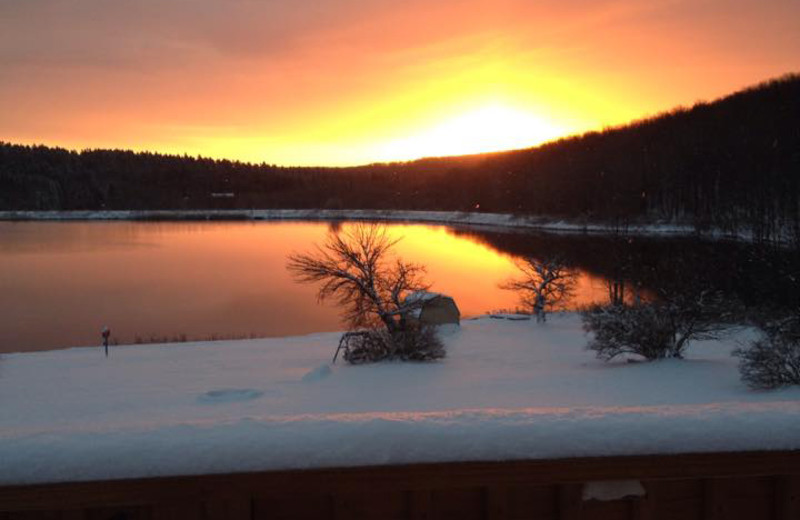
492 220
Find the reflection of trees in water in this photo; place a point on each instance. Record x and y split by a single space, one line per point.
334 226
634 266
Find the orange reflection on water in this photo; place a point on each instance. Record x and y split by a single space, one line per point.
62 282
471 271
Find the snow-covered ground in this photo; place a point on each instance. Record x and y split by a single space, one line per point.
491 220
507 390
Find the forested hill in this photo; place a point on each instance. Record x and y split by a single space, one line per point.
732 163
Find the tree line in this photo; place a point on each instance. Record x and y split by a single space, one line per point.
732 164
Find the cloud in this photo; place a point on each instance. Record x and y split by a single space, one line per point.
152 33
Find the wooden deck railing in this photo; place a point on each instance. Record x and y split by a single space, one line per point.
730 486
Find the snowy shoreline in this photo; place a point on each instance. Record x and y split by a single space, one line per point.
487 220
508 390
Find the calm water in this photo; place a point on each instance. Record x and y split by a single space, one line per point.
60 283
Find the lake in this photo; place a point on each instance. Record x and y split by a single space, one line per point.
61 282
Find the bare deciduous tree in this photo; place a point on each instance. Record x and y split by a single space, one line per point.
355 268
543 284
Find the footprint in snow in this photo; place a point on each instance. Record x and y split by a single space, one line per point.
230 395
317 374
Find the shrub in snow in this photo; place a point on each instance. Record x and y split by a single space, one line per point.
414 343
364 346
418 343
773 360
618 329
657 330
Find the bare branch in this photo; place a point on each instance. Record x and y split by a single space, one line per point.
355 270
542 284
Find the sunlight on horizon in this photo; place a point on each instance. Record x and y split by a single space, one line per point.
489 128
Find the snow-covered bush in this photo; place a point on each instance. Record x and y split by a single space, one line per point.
414 343
364 346
658 329
773 360
419 342
642 330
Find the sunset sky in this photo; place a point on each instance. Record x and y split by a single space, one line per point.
344 82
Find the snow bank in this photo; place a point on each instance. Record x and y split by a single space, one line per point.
508 390
309 441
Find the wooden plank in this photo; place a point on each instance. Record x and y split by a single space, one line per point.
73 514
178 511
676 499
496 503
366 505
345 507
458 504
33 515
532 502
748 497
644 508
420 504
612 510
713 504
570 501
240 508
787 497
124 493
119 513
310 507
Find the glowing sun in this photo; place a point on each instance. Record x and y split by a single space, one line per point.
489 128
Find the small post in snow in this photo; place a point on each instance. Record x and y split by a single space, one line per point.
106 333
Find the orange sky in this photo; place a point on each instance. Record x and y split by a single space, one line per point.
354 81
